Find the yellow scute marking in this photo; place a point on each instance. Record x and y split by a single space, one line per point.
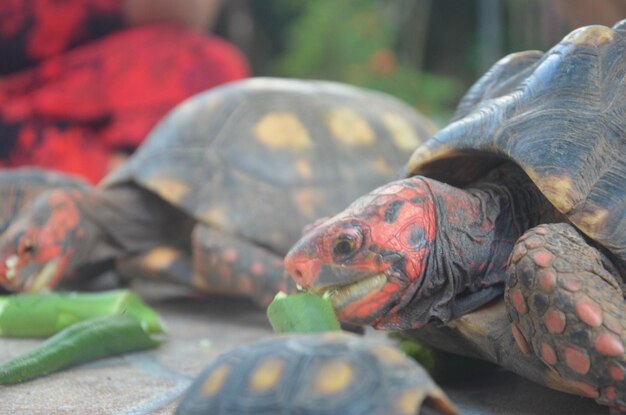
409 402
424 154
591 219
215 380
215 216
381 166
159 258
349 128
282 130
390 355
333 377
558 189
266 375
304 168
591 35
306 200
170 189
402 133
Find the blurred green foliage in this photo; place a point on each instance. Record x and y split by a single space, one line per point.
356 42
426 52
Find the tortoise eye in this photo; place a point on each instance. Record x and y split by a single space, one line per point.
347 243
26 246
344 245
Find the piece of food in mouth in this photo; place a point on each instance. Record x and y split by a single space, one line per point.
301 313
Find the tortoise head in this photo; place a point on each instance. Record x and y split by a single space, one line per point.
40 246
371 258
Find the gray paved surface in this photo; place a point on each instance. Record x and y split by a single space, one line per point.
199 330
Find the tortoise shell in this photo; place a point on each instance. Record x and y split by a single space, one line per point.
260 157
558 115
333 373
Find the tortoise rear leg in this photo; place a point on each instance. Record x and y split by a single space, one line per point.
567 306
162 263
228 264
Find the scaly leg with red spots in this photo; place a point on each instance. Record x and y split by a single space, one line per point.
226 264
566 304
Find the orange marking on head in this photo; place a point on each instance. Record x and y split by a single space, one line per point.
369 305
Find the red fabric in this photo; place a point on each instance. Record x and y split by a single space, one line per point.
74 109
33 30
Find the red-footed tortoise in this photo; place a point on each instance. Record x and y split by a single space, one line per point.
521 197
220 189
333 373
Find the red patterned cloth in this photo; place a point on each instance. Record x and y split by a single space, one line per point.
73 109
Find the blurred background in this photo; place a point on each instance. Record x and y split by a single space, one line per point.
424 51
84 81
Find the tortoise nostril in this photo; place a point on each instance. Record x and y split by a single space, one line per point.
294 268
298 274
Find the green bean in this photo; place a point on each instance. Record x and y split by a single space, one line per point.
41 315
301 313
81 342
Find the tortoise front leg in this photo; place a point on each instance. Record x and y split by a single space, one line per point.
229 264
567 307
486 334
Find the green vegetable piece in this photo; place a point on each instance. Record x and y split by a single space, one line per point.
85 341
41 315
301 313
423 355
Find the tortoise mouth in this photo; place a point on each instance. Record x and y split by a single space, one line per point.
42 279
37 277
343 295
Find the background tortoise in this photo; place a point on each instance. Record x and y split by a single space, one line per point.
536 151
333 373
220 189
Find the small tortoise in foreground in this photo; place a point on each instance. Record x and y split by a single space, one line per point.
220 189
334 373
522 197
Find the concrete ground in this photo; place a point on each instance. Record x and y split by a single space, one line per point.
199 330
